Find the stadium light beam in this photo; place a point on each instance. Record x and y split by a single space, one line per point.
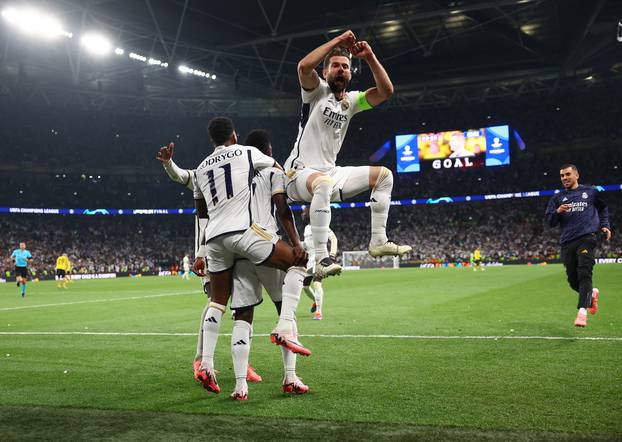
135 56
196 72
96 44
36 23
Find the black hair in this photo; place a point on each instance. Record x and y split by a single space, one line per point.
567 165
220 129
260 139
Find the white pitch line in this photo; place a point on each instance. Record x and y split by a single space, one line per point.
422 337
97 300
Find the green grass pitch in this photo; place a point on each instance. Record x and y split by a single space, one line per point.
401 354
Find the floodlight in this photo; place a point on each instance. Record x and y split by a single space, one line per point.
96 44
119 51
36 23
138 57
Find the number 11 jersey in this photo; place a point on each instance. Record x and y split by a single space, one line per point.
224 179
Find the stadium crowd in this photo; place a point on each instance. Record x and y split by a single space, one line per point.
504 230
98 244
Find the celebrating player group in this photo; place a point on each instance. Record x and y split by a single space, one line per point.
238 248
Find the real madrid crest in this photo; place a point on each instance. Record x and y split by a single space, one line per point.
584 195
345 104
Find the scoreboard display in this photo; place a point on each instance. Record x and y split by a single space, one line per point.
455 149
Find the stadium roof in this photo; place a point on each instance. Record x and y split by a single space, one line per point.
437 52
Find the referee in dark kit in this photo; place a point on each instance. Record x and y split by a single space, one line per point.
583 216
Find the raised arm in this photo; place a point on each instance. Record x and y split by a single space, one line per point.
175 173
307 74
384 88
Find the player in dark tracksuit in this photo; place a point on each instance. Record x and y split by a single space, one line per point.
582 215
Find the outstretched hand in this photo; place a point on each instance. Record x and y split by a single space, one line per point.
165 153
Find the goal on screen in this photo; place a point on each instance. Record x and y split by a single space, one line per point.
356 260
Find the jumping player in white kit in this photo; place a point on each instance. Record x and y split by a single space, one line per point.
325 115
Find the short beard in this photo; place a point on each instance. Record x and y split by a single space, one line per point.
337 89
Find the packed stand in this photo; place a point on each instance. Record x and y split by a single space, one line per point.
131 244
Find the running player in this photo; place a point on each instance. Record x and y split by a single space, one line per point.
477 259
314 289
21 257
582 215
69 270
62 264
326 112
186 267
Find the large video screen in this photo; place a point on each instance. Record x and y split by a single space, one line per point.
487 146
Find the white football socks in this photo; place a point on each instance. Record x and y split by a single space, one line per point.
289 360
292 285
379 204
240 349
200 335
319 295
319 214
211 324
289 364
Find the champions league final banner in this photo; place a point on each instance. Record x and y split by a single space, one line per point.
346 205
487 146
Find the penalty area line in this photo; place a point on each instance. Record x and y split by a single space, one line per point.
420 337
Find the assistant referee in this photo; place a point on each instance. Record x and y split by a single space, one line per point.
582 215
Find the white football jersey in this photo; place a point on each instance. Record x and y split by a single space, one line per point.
267 183
323 125
224 179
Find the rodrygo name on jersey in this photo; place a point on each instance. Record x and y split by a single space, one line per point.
224 179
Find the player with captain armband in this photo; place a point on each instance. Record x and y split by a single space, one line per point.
314 177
